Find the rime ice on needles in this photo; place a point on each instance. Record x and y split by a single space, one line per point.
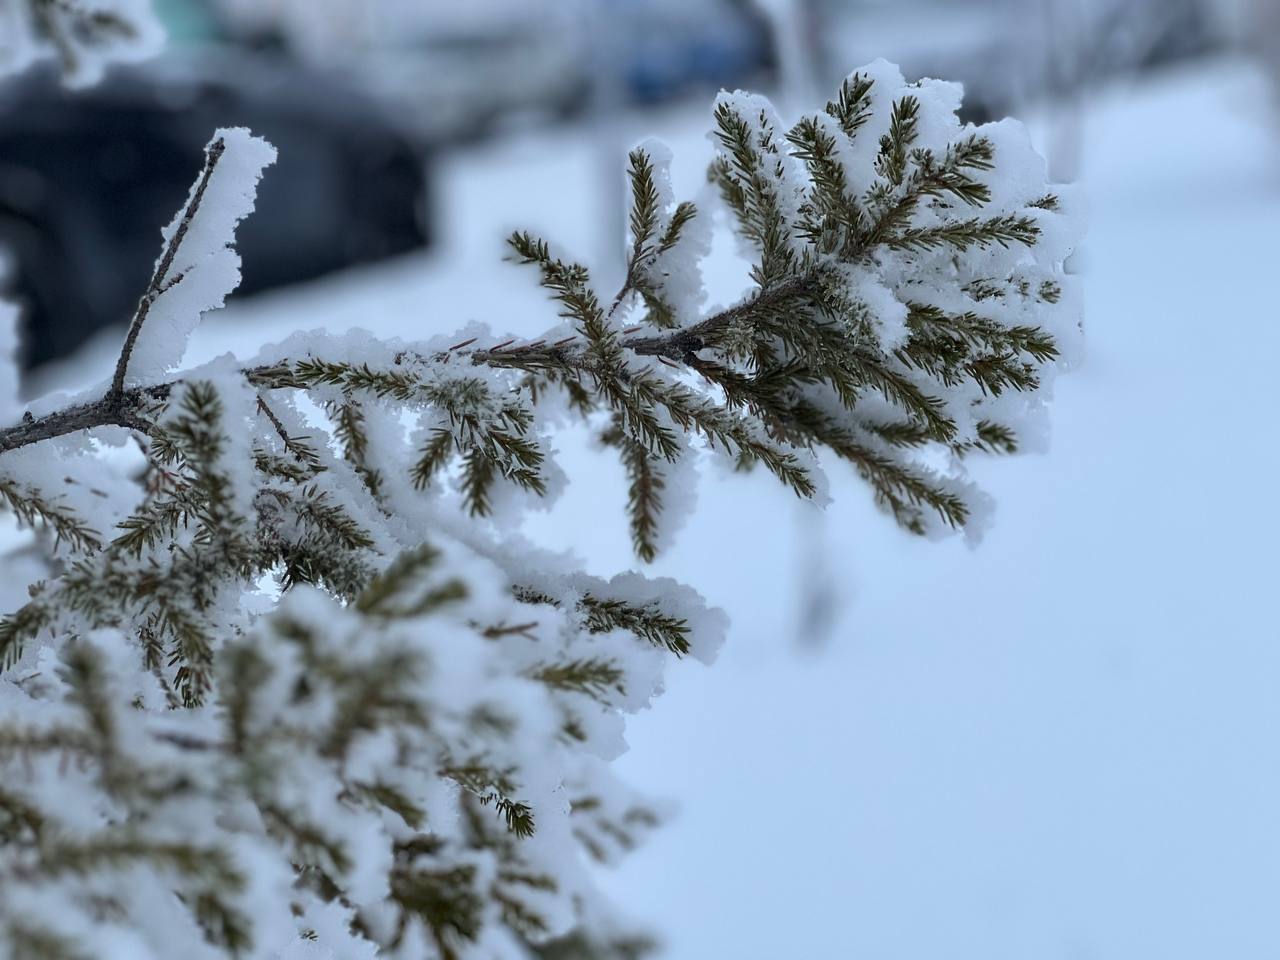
84 36
909 304
287 703
293 685
199 265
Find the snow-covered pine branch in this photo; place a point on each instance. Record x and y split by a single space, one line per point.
290 686
84 36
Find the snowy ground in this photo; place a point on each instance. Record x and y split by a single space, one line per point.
1058 745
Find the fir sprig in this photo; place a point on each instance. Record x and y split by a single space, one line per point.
32 507
289 636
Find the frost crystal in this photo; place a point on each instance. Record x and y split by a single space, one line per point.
203 267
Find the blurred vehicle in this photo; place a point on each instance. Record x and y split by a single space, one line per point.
1252 27
1007 52
460 71
675 47
459 77
461 81
450 72
975 43
88 178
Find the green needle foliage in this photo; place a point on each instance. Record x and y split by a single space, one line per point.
286 672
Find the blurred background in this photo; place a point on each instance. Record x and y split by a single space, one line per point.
371 101
1060 744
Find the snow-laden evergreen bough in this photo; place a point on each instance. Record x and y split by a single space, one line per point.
288 686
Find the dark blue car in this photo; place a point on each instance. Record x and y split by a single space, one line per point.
670 49
88 178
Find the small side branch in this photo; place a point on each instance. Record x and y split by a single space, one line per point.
160 278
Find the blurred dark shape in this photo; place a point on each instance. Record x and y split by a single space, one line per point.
446 81
975 43
1163 31
463 83
1008 53
1114 37
459 75
672 49
1259 27
87 179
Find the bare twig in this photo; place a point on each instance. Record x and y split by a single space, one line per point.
628 286
160 280
675 345
275 421
85 416
518 629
